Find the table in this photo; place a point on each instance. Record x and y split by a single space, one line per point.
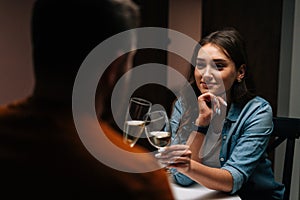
199 192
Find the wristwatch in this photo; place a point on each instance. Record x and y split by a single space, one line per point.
200 129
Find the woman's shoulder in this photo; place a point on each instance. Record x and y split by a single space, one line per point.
259 101
254 104
258 106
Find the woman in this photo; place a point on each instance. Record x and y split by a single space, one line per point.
227 132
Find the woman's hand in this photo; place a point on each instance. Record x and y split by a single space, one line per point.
179 157
210 106
175 156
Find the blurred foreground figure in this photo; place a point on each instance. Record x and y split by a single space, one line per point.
41 153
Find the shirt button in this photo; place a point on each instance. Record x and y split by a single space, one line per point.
221 159
224 137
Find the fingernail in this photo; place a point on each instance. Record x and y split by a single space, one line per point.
215 99
218 111
158 155
162 149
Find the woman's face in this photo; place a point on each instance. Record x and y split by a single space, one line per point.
215 72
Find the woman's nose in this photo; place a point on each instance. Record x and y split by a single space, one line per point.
207 73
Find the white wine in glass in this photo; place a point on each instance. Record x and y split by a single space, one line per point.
134 123
133 129
158 129
159 134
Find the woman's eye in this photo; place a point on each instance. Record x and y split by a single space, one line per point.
220 66
200 65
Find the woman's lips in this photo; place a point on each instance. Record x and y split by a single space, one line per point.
207 85
204 85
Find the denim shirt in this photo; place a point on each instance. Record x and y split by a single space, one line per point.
245 136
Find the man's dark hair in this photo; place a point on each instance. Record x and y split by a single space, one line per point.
65 31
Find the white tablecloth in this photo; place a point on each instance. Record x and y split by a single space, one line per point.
198 192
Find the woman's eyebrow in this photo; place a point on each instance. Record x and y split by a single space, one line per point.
215 60
219 60
200 59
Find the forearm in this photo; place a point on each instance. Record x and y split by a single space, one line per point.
213 178
195 142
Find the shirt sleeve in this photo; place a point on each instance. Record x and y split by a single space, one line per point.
249 143
176 116
180 178
175 120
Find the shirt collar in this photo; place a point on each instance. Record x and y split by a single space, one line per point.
234 112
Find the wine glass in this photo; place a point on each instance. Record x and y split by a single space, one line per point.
158 129
135 120
158 132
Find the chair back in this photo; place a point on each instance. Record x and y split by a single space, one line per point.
286 128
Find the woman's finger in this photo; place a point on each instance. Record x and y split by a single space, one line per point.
172 154
222 101
177 147
216 105
175 160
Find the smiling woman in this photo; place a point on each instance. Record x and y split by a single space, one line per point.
231 156
216 72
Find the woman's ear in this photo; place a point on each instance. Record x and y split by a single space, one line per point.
241 72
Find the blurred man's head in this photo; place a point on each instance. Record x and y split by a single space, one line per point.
65 31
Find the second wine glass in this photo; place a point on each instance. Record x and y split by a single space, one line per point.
158 129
